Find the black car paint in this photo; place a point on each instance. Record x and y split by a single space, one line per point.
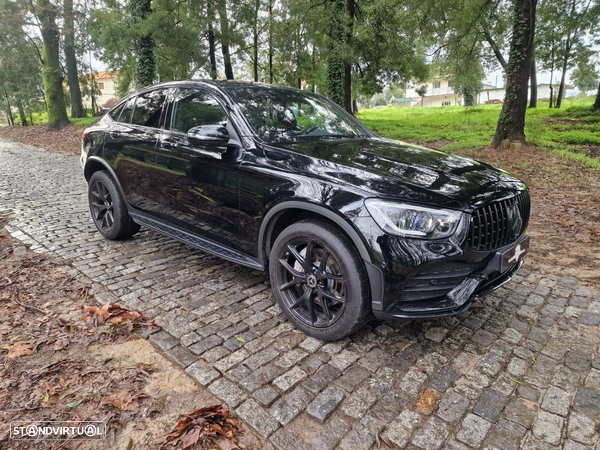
227 199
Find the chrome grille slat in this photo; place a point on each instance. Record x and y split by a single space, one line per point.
490 224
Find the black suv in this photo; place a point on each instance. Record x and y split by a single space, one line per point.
347 223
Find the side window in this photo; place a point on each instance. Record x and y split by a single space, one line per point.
193 108
125 116
116 112
148 108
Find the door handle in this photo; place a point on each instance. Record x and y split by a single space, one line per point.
115 134
168 143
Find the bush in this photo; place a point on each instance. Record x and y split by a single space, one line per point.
110 102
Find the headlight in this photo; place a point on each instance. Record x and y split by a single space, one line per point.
413 221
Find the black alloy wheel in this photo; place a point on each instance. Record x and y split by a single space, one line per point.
319 281
102 206
108 208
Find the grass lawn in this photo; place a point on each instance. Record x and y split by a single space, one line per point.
573 130
41 118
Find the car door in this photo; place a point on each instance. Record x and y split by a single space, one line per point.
200 183
130 148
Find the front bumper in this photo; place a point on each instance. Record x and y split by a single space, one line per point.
457 301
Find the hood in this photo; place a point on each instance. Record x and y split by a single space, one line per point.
394 169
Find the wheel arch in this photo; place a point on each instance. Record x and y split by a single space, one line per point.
95 164
284 214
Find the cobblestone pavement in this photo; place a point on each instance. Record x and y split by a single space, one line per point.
520 371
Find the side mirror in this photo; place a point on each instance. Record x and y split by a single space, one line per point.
216 135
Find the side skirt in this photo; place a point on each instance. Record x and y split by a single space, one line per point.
194 240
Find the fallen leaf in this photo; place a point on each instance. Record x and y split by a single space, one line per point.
19 349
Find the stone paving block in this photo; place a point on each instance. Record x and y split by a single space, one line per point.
343 360
164 340
232 360
289 406
261 358
520 411
258 378
311 344
548 427
556 401
390 405
255 416
411 382
291 358
228 391
453 407
505 435
325 403
266 395
445 378
581 428
326 436
202 372
321 379
358 403
400 430
289 379
314 361
181 356
286 439
587 401
352 378
490 405
473 430
205 344
361 436
432 435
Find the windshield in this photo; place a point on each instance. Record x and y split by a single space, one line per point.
285 115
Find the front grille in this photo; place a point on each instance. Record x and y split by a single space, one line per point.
437 280
496 225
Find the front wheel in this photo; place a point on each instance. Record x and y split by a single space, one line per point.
108 208
319 281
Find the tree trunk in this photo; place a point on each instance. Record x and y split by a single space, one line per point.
22 115
551 87
533 85
350 11
77 110
561 87
211 50
494 47
354 106
271 41
511 124
9 117
224 21
335 59
145 70
255 39
52 76
596 106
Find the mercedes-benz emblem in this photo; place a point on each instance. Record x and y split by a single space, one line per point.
515 221
311 281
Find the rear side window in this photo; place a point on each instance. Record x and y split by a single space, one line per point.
115 113
148 108
125 116
193 108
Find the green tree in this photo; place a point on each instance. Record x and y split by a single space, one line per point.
52 75
145 69
584 76
511 123
71 61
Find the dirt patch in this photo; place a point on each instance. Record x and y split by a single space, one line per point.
66 140
562 121
54 367
565 220
438 144
593 151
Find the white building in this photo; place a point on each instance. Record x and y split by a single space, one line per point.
106 85
441 93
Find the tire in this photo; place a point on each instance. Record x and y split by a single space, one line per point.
108 208
332 301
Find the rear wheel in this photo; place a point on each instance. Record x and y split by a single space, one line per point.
319 281
108 208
